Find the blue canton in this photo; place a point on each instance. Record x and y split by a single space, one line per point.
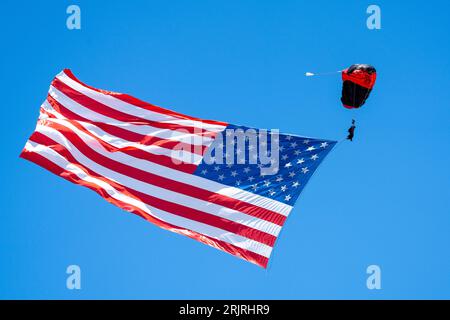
298 159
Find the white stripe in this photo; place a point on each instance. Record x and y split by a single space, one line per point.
177 155
142 129
158 192
187 178
198 227
134 110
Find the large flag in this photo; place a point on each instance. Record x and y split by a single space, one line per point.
231 187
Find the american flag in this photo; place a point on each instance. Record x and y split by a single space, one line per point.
188 175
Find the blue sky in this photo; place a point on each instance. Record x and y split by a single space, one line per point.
383 199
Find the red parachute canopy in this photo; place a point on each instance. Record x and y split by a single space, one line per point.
358 81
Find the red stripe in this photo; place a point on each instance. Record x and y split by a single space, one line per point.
105 110
142 104
130 135
224 246
360 77
169 184
121 133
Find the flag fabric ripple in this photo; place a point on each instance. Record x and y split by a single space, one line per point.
153 162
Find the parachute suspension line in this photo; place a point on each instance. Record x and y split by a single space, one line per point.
339 144
342 140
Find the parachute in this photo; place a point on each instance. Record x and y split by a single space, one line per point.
358 81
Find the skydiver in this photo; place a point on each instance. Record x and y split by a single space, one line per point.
351 131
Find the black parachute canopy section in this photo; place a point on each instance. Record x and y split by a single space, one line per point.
358 81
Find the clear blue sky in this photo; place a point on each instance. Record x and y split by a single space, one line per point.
383 199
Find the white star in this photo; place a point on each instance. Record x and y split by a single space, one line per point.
266 183
295 184
305 170
255 186
229 165
221 177
251 179
247 170
288 138
297 152
279 179
293 144
204 171
287 198
311 148
271 192
216 168
284 157
324 145
234 173
283 188
281 148
300 161
306 141
292 174
238 151
315 157
288 165
238 182
275 170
